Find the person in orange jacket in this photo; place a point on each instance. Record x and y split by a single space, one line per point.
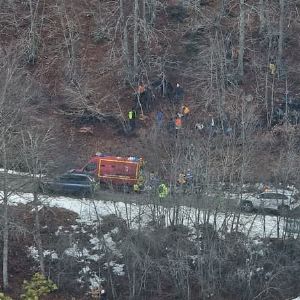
178 123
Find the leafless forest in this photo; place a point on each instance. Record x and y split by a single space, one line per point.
69 73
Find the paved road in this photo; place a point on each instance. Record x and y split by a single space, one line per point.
23 183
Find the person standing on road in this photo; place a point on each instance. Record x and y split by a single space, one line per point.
163 191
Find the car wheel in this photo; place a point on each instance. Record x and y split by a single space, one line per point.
85 194
283 210
247 206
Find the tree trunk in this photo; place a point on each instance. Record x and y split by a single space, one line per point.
37 234
223 7
281 35
143 15
262 17
135 38
5 219
152 11
5 243
241 39
125 49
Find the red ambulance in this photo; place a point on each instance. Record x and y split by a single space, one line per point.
116 170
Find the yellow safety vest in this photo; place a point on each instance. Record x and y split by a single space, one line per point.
136 187
163 191
131 115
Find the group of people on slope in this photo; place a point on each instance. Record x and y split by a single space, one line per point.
175 124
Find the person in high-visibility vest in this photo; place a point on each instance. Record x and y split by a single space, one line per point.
163 191
139 184
136 188
132 118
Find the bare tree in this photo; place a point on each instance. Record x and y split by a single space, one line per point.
262 16
241 39
281 33
36 145
135 37
124 40
13 90
224 4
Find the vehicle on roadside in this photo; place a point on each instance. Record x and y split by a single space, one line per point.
280 201
69 183
124 172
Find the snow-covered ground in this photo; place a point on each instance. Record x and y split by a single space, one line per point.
18 173
138 215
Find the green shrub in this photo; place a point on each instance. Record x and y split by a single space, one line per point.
38 286
3 297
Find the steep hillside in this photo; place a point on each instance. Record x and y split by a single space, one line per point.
71 70
85 60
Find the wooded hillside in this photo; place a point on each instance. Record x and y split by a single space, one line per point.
70 72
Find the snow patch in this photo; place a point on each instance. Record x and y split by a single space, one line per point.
138 215
84 270
95 281
118 269
33 252
12 172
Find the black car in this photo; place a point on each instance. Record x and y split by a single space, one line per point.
81 184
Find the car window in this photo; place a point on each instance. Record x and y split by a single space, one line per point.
73 179
90 167
266 196
65 178
274 196
80 179
281 196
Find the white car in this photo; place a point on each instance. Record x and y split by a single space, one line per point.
281 201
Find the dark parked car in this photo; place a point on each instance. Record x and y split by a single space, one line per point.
81 184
